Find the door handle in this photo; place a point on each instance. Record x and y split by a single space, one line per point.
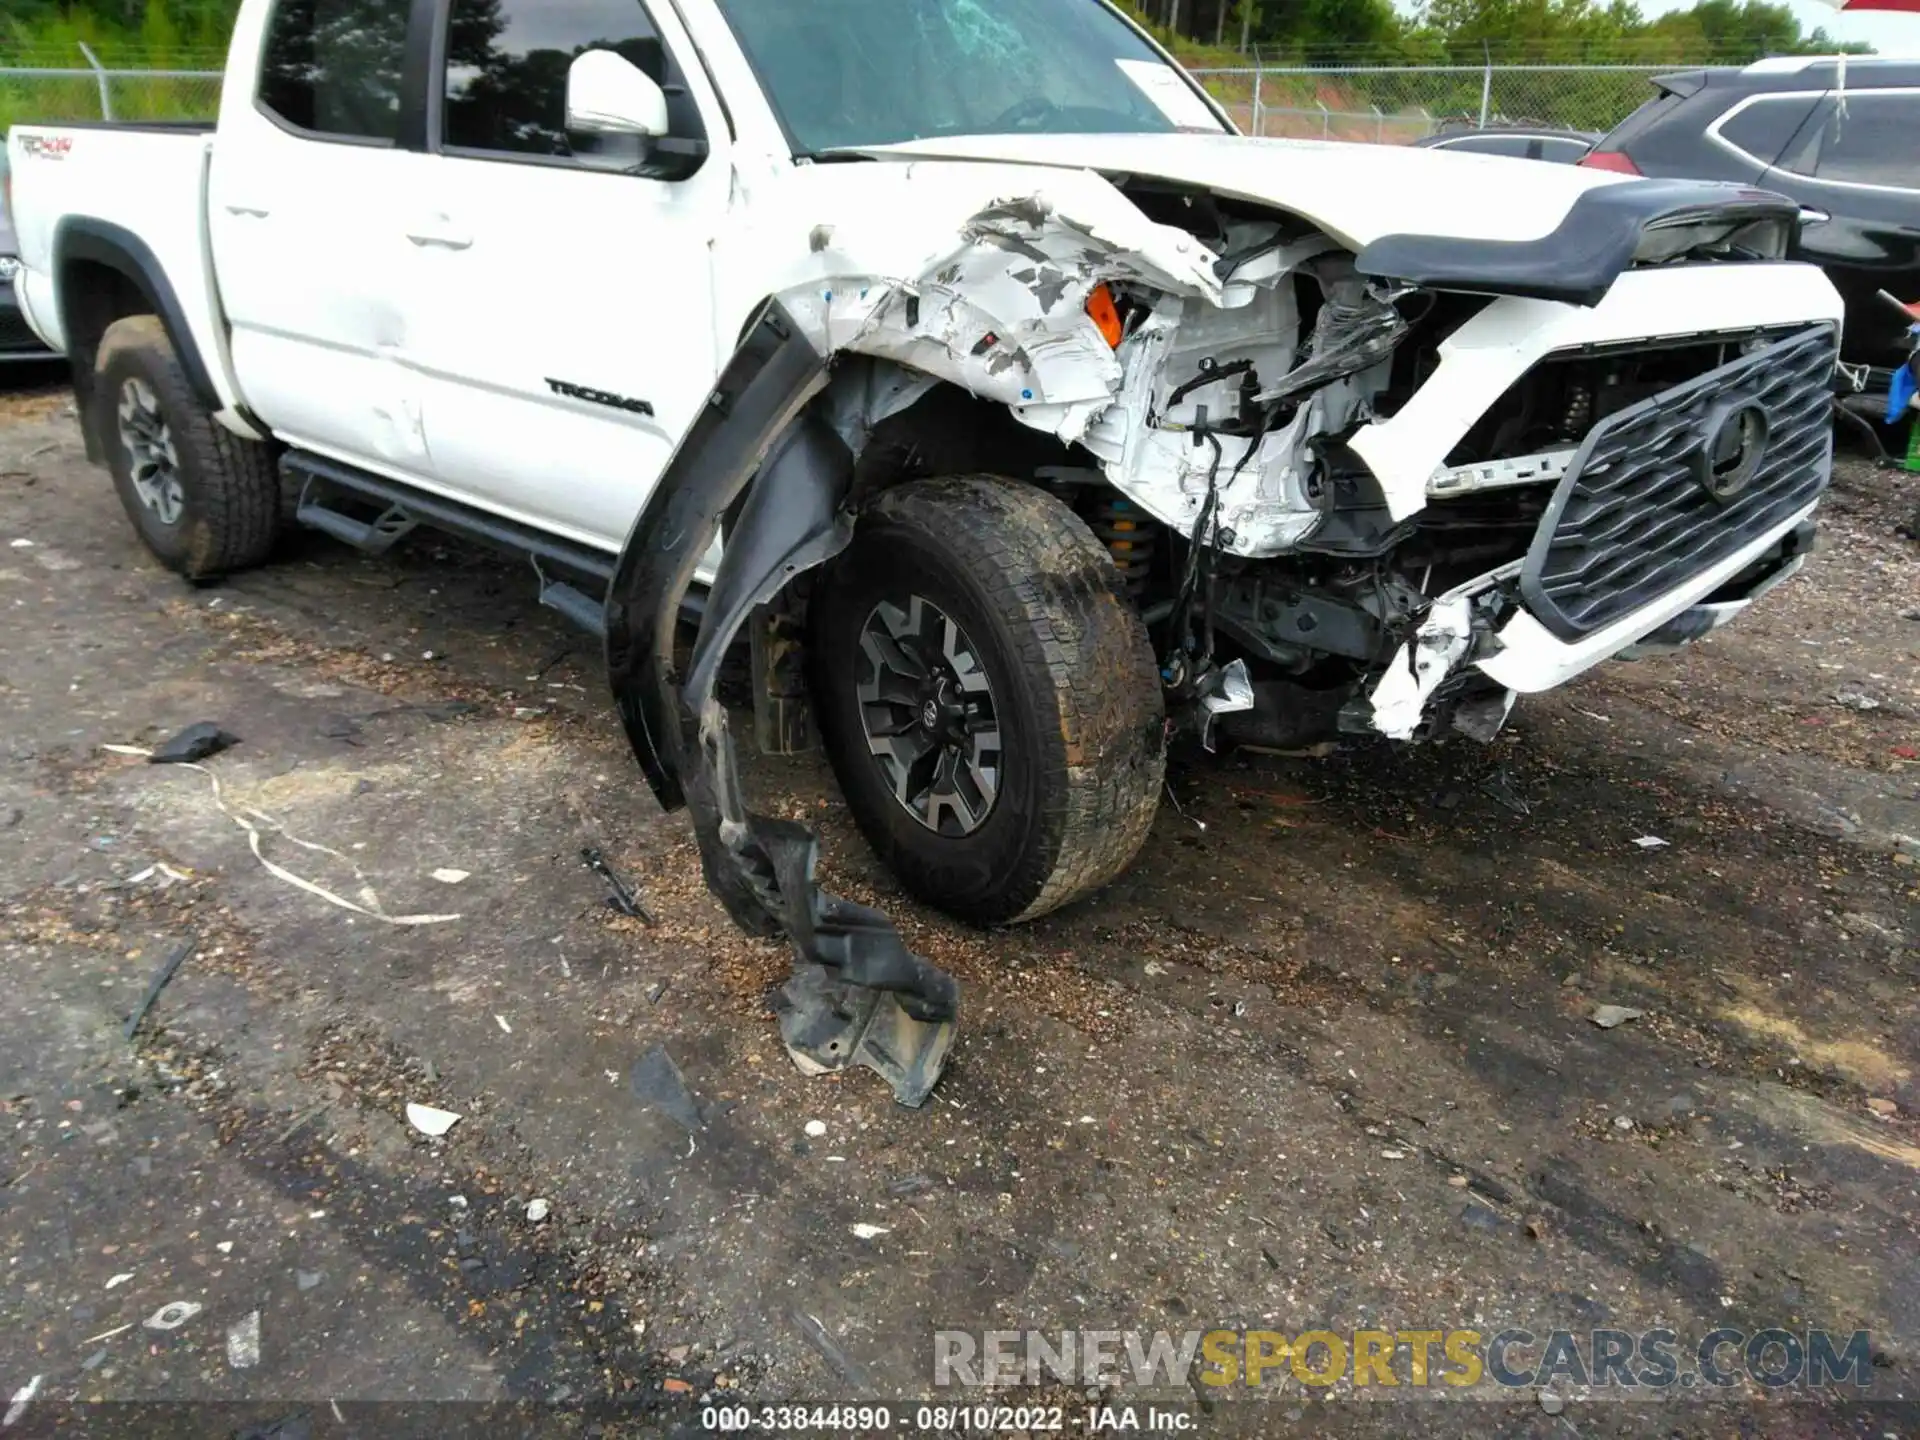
440 231
256 211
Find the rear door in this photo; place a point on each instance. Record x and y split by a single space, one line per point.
567 338
1855 167
311 182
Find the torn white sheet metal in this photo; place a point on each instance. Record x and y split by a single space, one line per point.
1002 312
1419 666
1230 691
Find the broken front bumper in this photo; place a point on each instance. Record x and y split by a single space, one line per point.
1672 516
777 476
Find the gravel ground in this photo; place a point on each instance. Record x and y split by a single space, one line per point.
1322 1060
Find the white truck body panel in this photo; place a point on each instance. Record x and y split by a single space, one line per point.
534 339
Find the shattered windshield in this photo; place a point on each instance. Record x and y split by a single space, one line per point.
846 73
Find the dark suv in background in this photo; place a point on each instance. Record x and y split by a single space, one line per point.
1846 145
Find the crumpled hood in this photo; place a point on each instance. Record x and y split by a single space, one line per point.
1356 193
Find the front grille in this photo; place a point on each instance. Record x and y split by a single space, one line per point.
1637 512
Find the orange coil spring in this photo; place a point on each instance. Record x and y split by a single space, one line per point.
1129 535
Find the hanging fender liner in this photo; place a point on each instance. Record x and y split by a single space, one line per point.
857 995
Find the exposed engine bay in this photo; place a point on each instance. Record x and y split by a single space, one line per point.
1214 406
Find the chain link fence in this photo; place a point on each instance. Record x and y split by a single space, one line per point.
1379 103
1401 104
84 89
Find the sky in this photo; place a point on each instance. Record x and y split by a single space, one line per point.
1890 34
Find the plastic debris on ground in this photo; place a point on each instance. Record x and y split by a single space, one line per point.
192 744
451 877
1609 1016
430 1121
161 979
173 1314
657 1081
621 896
538 1210
871 1232
164 877
23 1397
1649 842
243 1343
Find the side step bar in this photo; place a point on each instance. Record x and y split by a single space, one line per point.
404 507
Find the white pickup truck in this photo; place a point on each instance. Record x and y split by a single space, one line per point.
1041 414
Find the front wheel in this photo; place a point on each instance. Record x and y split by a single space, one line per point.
988 697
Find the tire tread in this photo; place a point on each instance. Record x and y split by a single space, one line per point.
237 484
1057 592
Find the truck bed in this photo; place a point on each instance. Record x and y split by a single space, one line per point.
142 186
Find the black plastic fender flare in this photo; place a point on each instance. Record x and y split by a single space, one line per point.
82 237
755 431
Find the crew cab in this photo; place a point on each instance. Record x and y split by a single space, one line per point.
962 358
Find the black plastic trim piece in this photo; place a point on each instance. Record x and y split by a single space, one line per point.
81 237
1578 261
755 438
1637 512
770 377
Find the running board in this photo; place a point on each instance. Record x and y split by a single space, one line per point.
576 605
393 525
318 475
404 508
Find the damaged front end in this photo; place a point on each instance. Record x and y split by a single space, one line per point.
1347 493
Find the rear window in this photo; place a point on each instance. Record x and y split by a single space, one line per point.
333 67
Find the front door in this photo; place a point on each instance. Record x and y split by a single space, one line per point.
570 338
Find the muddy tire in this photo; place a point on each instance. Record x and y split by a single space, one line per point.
204 501
987 697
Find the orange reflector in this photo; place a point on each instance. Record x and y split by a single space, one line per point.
1100 310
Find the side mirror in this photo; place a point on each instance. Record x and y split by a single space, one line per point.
608 95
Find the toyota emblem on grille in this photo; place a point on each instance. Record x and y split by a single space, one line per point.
1731 450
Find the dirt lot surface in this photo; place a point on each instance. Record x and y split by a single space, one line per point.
1323 1060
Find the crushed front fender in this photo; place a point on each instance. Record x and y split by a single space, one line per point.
857 995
